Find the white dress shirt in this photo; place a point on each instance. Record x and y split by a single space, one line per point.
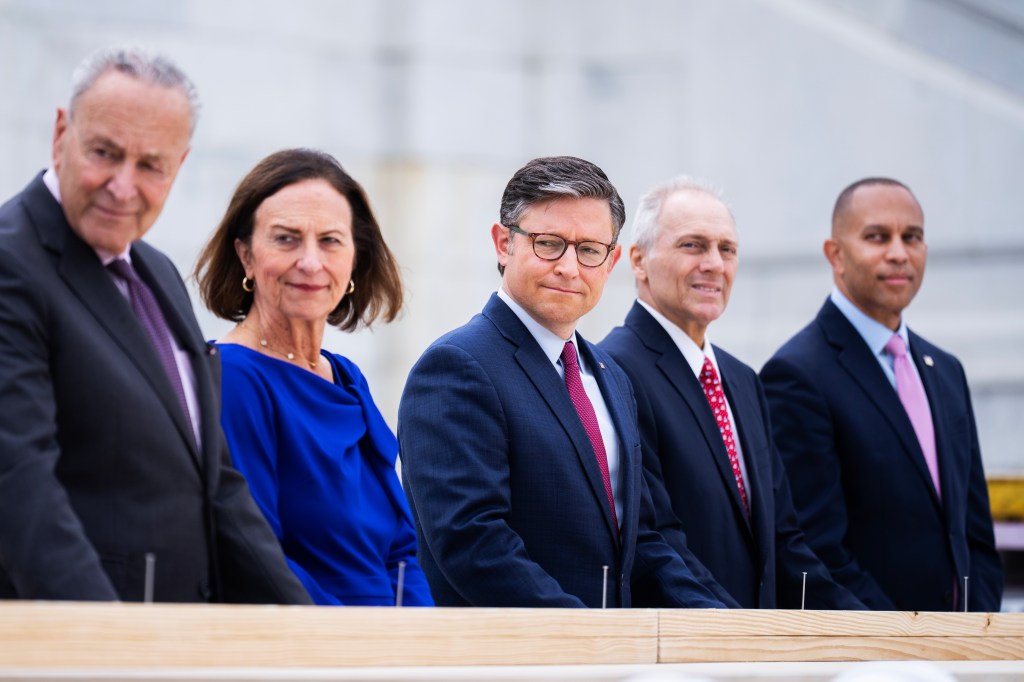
551 344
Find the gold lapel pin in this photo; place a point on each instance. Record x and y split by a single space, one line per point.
928 361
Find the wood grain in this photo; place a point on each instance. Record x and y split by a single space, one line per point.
87 636
133 635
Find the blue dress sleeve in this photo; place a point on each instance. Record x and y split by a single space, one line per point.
416 591
248 416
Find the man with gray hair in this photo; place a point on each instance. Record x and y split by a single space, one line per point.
115 481
518 438
708 453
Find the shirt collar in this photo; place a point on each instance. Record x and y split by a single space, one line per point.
874 333
52 183
692 353
550 343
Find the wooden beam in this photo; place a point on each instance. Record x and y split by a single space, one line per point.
84 636
170 635
696 636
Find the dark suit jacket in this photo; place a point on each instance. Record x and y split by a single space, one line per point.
759 561
98 466
509 504
860 482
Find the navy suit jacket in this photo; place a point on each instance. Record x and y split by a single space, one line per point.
98 463
860 482
509 504
760 560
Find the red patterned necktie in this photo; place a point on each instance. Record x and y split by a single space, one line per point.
915 402
147 310
586 411
716 398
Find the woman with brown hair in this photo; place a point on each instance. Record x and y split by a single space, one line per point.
299 249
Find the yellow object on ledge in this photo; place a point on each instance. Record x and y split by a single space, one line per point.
1006 497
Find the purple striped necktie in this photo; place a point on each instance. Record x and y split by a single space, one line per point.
149 314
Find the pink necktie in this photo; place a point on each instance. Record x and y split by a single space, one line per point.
716 398
915 402
586 411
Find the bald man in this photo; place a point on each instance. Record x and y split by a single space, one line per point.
876 427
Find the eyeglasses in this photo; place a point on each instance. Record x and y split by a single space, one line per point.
552 247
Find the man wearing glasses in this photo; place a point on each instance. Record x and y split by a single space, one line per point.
520 449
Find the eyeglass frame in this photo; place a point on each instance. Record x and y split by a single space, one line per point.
567 243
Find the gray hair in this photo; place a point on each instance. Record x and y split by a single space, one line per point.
138 63
645 222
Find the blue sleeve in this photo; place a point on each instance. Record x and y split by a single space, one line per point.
416 591
455 459
248 417
805 439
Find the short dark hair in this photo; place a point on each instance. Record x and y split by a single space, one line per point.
558 177
219 271
846 196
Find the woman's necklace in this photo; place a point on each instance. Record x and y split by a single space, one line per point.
285 354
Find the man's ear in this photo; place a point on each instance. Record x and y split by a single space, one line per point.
833 253
502 238
638 263
60 128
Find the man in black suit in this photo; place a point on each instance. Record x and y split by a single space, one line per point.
708 453
518 437
876 427
115 481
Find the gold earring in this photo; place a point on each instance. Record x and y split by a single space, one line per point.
351 286
248 285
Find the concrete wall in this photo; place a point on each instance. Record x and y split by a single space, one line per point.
433 104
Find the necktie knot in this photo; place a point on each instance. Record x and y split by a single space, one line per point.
569 355
895 346
124 270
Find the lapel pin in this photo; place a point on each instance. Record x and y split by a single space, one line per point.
928 361
601 365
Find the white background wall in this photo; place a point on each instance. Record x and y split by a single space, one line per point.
433 104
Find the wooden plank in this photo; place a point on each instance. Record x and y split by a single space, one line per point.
167 635
834 648
694 623
37 635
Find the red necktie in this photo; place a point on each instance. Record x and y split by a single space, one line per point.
915 402
586 411
716 398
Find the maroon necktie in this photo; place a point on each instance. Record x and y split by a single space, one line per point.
586 411
716 398
147 310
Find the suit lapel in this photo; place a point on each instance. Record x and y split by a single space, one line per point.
673 365
176 319
857 360
85 276
542 373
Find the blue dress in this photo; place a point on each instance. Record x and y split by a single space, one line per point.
320 461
